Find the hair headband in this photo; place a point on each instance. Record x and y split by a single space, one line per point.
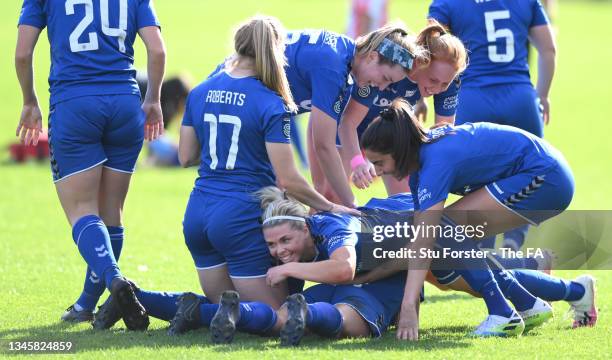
395 53
283 217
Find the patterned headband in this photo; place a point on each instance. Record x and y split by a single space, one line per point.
395 53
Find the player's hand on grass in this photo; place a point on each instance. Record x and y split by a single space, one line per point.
154 121
545 109
363 175
30 124
408 324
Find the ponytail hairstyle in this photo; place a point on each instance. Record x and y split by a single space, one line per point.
398 132
440 45
262 38
275 202
397 33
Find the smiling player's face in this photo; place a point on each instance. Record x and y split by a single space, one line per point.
435 78
368 71
286 243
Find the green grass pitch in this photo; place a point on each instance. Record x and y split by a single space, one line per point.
41 272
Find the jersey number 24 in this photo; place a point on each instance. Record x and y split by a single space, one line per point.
120 33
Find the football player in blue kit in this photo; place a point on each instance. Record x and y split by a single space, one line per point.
438 58
322 67
496 86
507 177
236 127
331 249
326 248
96 125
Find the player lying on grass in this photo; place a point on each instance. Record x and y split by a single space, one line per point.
507 177
324 248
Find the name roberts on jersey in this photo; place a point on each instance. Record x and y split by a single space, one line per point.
225 97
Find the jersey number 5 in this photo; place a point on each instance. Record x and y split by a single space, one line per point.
120 33
212 141
493 35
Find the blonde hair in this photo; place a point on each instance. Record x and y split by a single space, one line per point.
395 31
274 202
262 38
440 45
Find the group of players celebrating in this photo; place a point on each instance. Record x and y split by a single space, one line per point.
253 241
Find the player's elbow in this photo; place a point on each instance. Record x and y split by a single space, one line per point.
157 52
186 159
23 57
345 273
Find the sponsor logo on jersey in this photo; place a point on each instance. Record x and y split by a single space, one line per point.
381 101
424 194
364 91
410 93
450 102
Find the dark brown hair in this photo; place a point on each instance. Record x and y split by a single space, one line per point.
397 132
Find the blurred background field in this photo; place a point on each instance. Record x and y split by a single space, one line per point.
41 272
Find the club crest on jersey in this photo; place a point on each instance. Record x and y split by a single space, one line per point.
338 106
287 127
364 91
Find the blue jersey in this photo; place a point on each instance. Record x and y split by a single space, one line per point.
319 65
445 102
467 157
495 35
332 231
91 43
234 118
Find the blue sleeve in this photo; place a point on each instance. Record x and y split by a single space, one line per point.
146 14
340 231
445 103
439 10
341 238
327 90
364 95
539 15
433 186
277 127
187 119
33 14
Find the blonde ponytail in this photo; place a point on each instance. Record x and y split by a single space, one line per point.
262 38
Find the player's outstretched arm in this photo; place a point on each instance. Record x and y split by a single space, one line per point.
290 179
30 122
324 138
352 159
542 38
156 65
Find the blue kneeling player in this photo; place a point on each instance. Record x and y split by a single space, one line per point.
96 125
501 171
236 127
